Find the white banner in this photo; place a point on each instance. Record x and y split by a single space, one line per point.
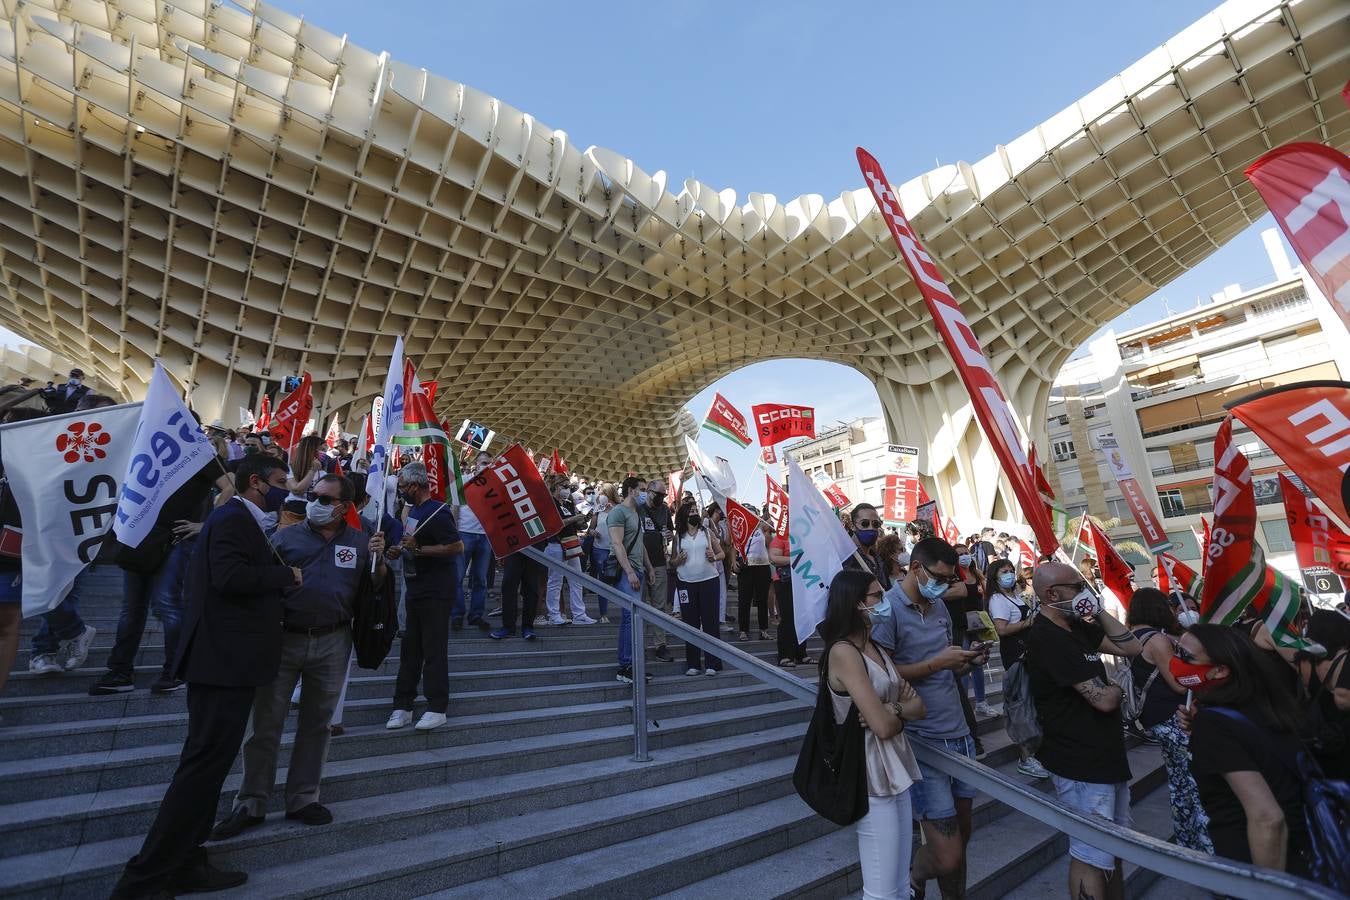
64 471
715 473
388 422
169 448
819 546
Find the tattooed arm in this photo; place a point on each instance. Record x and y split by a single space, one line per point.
1103 697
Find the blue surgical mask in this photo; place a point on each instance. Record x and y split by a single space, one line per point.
881 611
1007 579
964 559
931 588
643 497
866 536
274 499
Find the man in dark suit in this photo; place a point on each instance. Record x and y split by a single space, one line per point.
230 644
67 397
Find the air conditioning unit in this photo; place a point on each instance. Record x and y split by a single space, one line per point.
1064 420
1089 414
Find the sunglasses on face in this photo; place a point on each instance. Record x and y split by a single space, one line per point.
321 499
949 579
869 523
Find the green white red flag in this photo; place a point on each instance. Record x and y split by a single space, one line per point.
1236 574
1175 575
421 429
726 420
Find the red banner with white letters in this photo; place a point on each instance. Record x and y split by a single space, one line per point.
991 406
776 507
726 420
1319 543
741 524
510 500
776 422
292 414
899 499
1307 187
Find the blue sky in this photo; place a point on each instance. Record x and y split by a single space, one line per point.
774 96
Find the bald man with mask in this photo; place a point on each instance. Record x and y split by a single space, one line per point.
1083 745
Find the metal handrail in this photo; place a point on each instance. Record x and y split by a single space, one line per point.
1211 873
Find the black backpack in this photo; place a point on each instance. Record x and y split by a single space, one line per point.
375 624
831 772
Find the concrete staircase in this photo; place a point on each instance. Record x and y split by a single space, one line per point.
527 791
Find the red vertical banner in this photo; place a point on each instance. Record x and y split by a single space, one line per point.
264 418
1307 187
991 406
1154 537
899 499
776 507
1320 545
674 481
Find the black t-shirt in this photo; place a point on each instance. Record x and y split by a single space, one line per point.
567 511
656 528
1335 765
1160 701
1222 743
1079 742
435 526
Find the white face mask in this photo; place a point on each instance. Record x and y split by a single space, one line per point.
320 515
1188 618
1084 604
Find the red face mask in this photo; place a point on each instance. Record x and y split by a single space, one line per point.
1192 675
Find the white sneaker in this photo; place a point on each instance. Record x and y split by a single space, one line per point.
75 651
691 671
399 718
429 721
582 619
984 709
558 621
1032 766
604 620
710 672
44 664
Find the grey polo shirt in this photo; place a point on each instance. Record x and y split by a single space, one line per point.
912 637
332 572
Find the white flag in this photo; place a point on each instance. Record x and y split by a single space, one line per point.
64 471
169 448
715 473
246 419
334 433
360 452
819 546
388 423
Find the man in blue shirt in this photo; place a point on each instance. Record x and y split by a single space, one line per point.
918 634
430 541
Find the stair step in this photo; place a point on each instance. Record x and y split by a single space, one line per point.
824 867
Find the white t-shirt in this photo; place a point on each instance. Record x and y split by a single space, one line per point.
755 552
696 568
465 520
602 528
1001 606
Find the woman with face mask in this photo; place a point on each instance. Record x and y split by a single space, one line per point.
858 673
697 552
606 497
306 470
1012 619
1244 748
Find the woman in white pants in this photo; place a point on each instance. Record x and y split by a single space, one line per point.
861 674
565 547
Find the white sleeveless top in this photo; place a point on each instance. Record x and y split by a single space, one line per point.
891 767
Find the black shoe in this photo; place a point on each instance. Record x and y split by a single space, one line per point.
482 625
166 685
663 654
457 624
314 814
236 822
112 683
204 878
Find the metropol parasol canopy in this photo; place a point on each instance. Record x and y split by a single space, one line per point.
245 196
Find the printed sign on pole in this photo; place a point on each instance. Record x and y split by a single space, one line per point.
474 435
776 507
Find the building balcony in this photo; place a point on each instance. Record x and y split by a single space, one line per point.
1201 464
1176 511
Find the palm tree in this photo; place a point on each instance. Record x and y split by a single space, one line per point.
1075 526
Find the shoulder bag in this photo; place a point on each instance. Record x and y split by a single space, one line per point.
831 772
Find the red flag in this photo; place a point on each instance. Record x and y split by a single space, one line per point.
1038 470
264 414
510 500
726 420
899 499
1307 187
429 388
674 481
741 524
1116 571
776 422
1308 426
776 507
991 406
1175 575
292 413
558 465
368 435
334 433
1027 553
1319 544
835 495
768 456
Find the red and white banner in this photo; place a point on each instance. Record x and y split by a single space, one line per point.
950 533
510 500
776 507
899 499
768 456
1320 545
264 414
1154 537
776 422
991 406
1307 187
334 433
838 499
1308 426
726 420
1116 571
293 414
1175 575
741 524
674 481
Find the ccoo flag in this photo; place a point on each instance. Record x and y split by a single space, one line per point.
167 450
726 420
819 545
741 525
512 502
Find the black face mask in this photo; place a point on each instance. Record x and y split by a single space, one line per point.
695 521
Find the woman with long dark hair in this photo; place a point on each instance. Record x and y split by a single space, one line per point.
1244 746
1012 619
1153 622
860 674
697 551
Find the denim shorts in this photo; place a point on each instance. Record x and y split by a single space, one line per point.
934 796
1110 801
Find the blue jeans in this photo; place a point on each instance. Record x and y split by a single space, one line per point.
626 622
62 623
474 560
161 591
598 557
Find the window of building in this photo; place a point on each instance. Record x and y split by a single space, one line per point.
1063 450
1172 504
1278 305
1184 544
1119 509
1276 532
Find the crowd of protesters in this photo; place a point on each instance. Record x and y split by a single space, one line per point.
911 625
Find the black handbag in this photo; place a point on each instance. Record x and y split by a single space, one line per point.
831 772
375 624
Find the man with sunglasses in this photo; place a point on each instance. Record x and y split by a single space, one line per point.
866 530
1082 745
316 648
918 634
